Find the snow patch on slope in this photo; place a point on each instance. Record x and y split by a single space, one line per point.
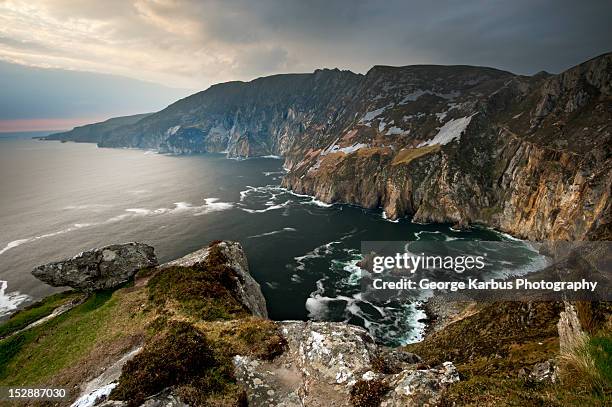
346 150
395 130
451 130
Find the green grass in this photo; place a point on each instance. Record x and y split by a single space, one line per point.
195 293
600 349
204 292
34 356
35 312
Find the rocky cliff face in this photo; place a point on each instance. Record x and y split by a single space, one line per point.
461 144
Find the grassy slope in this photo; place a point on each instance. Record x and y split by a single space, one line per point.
491 346
35 312
178 311
70 348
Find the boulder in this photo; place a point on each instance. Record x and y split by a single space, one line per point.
98 269
325 362
248 290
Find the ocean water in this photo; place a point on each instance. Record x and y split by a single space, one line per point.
58 199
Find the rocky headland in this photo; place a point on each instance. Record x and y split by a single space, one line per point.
529 155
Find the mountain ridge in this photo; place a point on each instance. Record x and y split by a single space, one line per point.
529 155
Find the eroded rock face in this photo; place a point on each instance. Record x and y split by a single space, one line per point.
325 360
248 290
98 269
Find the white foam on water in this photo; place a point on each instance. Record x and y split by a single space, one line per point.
430 232
213 205
94 207
272 194
269 208
508 236
385 217
19 242
317 307
274 232
340 298
272 284
315 201
210 205
10 301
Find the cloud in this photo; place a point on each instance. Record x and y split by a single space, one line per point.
197 43
50 94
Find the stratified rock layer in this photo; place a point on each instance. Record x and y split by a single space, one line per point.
98 269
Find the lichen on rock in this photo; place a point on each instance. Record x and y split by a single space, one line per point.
98 269
331 364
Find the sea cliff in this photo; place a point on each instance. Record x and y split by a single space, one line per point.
529 155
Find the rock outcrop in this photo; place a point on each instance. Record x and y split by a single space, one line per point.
329 364
248 290
571 335
98 269
461 144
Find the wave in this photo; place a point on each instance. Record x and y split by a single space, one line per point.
315 201
338 296
399 324
385 217
210 205
269 208
272 194
274 232
19 242
11 301
88 207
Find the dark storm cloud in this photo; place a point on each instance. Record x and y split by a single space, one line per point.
193 43
196 43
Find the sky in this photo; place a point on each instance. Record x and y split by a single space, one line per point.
65 62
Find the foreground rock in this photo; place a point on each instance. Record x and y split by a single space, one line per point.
335 364
248 290
98 269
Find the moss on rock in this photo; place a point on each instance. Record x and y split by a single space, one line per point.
368 393
180 355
